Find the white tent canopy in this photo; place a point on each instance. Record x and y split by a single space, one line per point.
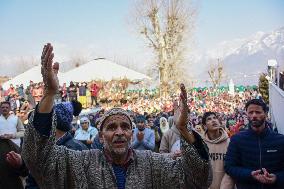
33 74
101 69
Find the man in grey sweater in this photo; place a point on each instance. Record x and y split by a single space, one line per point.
117 165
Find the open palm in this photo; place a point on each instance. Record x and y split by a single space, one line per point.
181 110
49 70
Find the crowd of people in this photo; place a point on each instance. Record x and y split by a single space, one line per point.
114 139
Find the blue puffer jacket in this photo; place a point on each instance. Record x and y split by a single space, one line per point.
249 151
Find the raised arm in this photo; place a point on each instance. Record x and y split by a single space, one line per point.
192 169
52 166
50 80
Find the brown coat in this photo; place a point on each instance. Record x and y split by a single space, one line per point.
168 139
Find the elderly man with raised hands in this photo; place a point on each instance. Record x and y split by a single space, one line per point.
117 165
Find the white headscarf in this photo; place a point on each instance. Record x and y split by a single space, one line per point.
164 125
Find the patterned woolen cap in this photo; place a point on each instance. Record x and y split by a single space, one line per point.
113 111
64 112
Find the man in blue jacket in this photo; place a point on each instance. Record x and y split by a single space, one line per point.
143 138
255 157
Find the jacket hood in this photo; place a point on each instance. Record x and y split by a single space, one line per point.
224 136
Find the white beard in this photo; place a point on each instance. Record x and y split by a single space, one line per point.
164 128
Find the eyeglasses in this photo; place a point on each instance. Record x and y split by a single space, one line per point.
85 123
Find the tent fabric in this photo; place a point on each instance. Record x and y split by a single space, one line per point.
101 69
33 74
276 107
98 69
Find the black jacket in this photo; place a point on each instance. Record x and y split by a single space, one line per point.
9 176
249 151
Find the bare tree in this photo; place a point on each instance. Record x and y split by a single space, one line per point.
166 25
216 73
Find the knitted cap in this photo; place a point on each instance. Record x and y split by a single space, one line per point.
64 112
113 111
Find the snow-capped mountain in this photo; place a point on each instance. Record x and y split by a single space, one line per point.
245 59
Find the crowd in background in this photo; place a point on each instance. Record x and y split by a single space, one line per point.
150 113
105 95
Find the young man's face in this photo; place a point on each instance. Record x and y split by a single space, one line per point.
116 134
256 115
212 123
141 125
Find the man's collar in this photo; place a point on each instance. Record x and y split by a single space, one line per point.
129 158
4 116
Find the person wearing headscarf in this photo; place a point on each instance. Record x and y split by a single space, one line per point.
164 125
86 133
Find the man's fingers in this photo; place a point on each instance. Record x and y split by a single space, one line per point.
56 66
43 53
15 155
256 172
49 61
265 172
262 179
183 93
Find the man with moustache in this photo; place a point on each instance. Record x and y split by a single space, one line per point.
117 166
255 157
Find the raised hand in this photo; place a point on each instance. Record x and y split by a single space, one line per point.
181 110
49 71
181 116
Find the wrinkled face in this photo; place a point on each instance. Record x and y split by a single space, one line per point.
256 115
212 123
5 109
116 134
